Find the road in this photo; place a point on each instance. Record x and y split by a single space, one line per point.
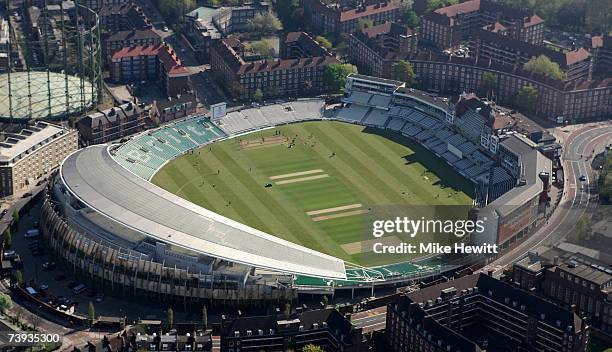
205 89
370 320
577 156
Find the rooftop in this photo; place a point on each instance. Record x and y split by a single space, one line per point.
101 183
29 138
171 62
112 114
502 293
369 10
136 34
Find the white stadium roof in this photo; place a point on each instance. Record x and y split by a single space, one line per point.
97 180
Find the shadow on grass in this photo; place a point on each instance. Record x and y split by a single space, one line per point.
447 176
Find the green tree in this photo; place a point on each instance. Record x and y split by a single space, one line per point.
324 42
92 313
263 48
406 14
7 238
18 277
605 181
436 4
583 228
527 98
598 16
543 66
16 218
170 318
403 71
325 301
204 316
312 348
258 95
335 75
264 24
6 302
489 81
287 309
285 10
173 10
365 23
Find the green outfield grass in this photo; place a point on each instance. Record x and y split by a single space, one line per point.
371 169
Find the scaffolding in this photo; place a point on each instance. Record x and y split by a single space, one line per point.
53 65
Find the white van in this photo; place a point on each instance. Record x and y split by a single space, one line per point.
32 233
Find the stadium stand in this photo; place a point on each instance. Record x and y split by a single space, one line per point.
144 154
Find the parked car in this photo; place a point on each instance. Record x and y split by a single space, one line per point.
583 178
26 195
44 287
100 298
9 254
33 233
79 289
48 266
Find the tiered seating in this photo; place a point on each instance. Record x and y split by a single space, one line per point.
256 117
361 98
463 164
277 114
352 113
379 100
307 109
146 153
235 122
376 118
396 124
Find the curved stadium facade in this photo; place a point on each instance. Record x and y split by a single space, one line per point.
106 219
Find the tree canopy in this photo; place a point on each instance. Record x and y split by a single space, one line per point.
264 48
335 75
312 348
571 15
406 13
324 42
6 302
7 237
173 10
403 71
605 181
543 66
264 24
258 95
436 4
527 98
286 11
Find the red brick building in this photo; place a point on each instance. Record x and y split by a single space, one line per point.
446 27
281 77
338 19
150 63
